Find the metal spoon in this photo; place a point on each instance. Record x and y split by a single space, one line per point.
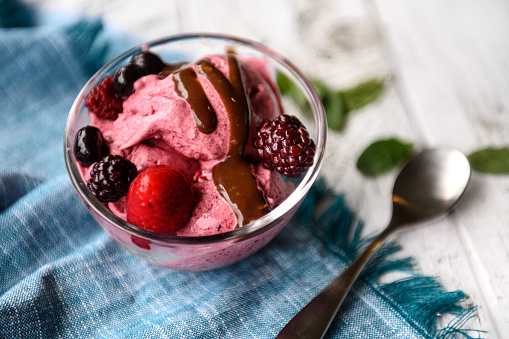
427 188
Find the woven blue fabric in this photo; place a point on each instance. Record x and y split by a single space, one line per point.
62 277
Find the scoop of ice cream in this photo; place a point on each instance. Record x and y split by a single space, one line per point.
159 126
155 111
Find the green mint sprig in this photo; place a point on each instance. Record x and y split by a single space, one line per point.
491 160
337 104
384 155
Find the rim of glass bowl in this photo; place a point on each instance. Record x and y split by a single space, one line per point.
257 226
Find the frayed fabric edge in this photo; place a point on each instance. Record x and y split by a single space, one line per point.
422 298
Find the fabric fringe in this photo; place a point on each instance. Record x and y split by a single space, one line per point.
422 298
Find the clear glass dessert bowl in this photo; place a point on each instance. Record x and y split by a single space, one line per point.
211 251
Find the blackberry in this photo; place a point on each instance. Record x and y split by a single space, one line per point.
124 78
149 62
111 177
89 145
103 100
284 145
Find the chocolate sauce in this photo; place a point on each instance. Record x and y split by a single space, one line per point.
232 177
169 68
188 87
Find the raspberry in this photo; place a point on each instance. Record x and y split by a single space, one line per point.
284 145
111 177
103 100
141 242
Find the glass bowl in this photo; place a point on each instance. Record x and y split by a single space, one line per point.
213 251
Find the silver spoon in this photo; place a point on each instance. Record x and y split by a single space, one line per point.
427 188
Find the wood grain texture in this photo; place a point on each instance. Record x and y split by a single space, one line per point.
451 61
446 68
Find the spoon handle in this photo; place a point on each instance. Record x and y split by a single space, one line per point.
315 318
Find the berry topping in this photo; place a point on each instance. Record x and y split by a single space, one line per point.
111 177
140 242
149 62
161 199
89 145
284 145
103 100
124 78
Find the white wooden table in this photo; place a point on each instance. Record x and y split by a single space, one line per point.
447 70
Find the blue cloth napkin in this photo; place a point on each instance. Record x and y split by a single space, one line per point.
61 276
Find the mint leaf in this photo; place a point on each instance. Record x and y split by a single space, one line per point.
333 104
362 94
490 160
337 104
287 88
332 100
335 112
384 155
284 83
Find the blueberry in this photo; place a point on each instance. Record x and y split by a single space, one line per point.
89 145
124 78
149 62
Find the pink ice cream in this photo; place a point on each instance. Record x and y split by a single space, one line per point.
157 127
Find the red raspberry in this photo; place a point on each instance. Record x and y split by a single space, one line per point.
103 100
161 199
140 242
284 145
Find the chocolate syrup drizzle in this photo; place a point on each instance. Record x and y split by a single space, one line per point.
189 88
232 177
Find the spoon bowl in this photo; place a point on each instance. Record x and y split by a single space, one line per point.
427 188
